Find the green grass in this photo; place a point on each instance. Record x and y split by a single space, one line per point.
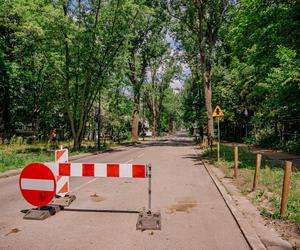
268 194
18 155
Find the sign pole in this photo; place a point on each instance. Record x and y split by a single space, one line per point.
218 113
218 138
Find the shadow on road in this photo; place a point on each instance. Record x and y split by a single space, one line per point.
172 142
193 157
100 211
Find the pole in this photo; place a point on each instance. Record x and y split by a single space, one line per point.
99 125
286 186
143 125
257 171
149 187
236 160
218 138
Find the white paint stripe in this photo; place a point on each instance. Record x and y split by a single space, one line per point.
61 182
83 185
64 157
76 169
140 155
125 170
100 170
37 184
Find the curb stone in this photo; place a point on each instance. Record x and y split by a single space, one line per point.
268 236
248 232
257 235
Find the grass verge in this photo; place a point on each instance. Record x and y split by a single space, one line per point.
267 196
18 155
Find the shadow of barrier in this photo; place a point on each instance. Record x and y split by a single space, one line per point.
40 186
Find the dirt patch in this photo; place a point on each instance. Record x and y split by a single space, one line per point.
97 198
13 231
183 205
288 231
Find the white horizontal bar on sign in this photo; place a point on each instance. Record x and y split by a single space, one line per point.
37 184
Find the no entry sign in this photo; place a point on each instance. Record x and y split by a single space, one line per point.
37 184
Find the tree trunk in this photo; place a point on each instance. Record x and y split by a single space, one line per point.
210 125
135 120
206 72
155 123
76 143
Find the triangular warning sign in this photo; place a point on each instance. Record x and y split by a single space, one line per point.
218 112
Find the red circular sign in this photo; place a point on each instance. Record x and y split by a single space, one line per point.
37 184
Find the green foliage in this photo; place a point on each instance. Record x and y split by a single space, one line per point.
257 74
58 57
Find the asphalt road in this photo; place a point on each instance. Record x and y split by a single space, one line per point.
194 215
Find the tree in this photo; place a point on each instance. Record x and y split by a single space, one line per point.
162 70
149 26
198 28
95 34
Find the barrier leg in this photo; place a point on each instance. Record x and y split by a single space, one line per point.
148 220
149 187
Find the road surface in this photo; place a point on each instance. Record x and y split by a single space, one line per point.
194 215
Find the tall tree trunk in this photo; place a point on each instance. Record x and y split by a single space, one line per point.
155 123
208 106
206 71
135 120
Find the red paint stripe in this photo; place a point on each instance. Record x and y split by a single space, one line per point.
59 154
58 178
138 171
87 169
64 169
64 189
112 170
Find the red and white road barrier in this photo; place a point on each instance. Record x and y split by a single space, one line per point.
62 182
39 182
98 169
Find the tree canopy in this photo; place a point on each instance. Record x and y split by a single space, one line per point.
121 66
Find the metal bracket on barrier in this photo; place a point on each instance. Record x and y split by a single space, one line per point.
63 201
148 221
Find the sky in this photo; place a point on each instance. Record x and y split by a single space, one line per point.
177 84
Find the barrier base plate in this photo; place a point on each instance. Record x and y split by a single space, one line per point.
63 201
41 213
148 221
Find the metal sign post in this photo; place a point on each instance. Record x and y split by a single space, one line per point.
218 113
218 138
149 186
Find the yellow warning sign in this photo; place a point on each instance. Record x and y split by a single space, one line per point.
218 112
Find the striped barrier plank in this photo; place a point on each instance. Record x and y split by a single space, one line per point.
98 169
